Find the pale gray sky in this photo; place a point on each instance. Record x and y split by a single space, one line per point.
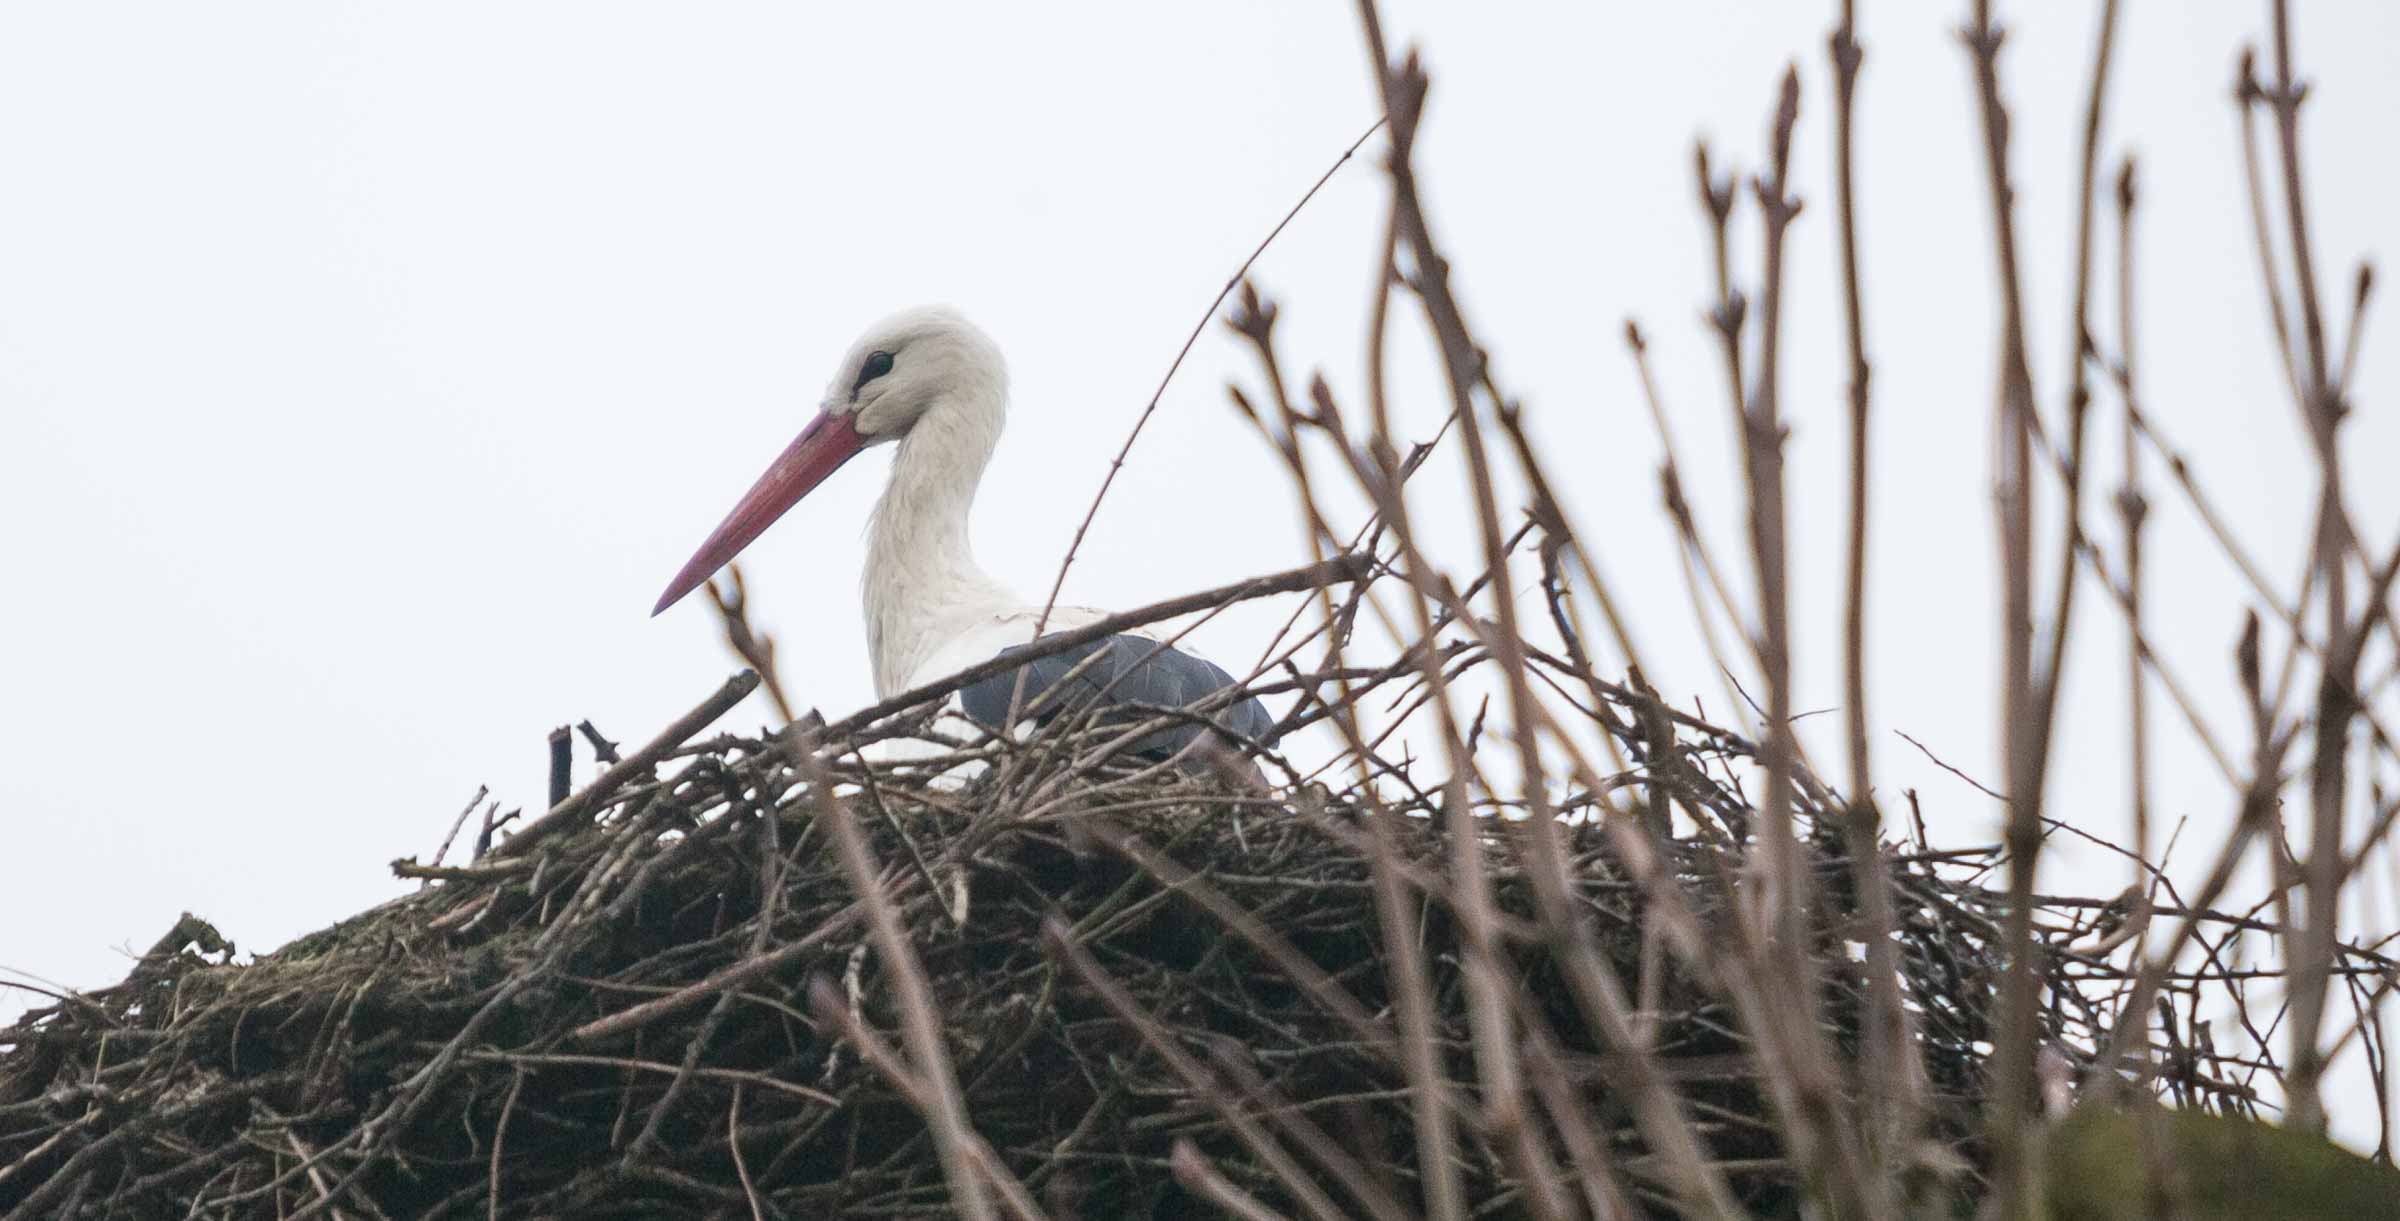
367 369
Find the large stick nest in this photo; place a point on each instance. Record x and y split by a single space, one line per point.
618 1019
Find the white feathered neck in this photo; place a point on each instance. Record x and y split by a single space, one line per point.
922 586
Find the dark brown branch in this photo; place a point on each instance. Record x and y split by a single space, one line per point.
575 808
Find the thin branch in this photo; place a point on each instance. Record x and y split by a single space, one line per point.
1150 408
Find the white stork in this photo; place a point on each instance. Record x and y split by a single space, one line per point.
934 385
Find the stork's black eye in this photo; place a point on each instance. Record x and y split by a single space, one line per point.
877 365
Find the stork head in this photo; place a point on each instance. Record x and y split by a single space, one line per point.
917 365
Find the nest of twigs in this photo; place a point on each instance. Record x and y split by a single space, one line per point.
664 1001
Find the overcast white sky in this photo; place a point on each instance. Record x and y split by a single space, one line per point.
366 369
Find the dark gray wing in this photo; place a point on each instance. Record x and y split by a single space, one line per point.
1129 673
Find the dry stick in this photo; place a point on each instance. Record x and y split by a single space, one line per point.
1659 1112
2312 958
1679 511
2369 1012
2290 615
137 1127
1726 317
1894 1078
1717 199
316 1179
2248 94
1444 1194
1548 514
569 812
741 1166
1671 1137
1294 1122
602 749
1430 1090
754 647
2247 91
920 1024
1596 984
1762 432
411 1095
1603 1189
771 868
2285 100
1148 409
1412 998
724 980
1803 1079
562 763
1376 477
2013 1079
1559 536
508 1107
2257 813
55 1139
1307 576
2363 292
1402 90
1192 1169
481 791
1061 942
885 1060
2132 509
1310 978
734 1076
1846 54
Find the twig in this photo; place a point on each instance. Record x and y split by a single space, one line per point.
2021 731
755 648
562 765
2133 509
827 1003
1310 576
920 1024
481 791
1061 941
1892 1075
567 813
508 1107
1194 1171
602 749
2321 412
741 1166
1117 463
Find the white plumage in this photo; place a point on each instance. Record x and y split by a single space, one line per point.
931 610
933 385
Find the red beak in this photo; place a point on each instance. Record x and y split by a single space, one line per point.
829 441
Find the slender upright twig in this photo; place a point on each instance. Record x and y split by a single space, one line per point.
2312 958
1150 408
1846 55
1890 1075
1763 435
920 1020
1401 88
2014 1048
2133 508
